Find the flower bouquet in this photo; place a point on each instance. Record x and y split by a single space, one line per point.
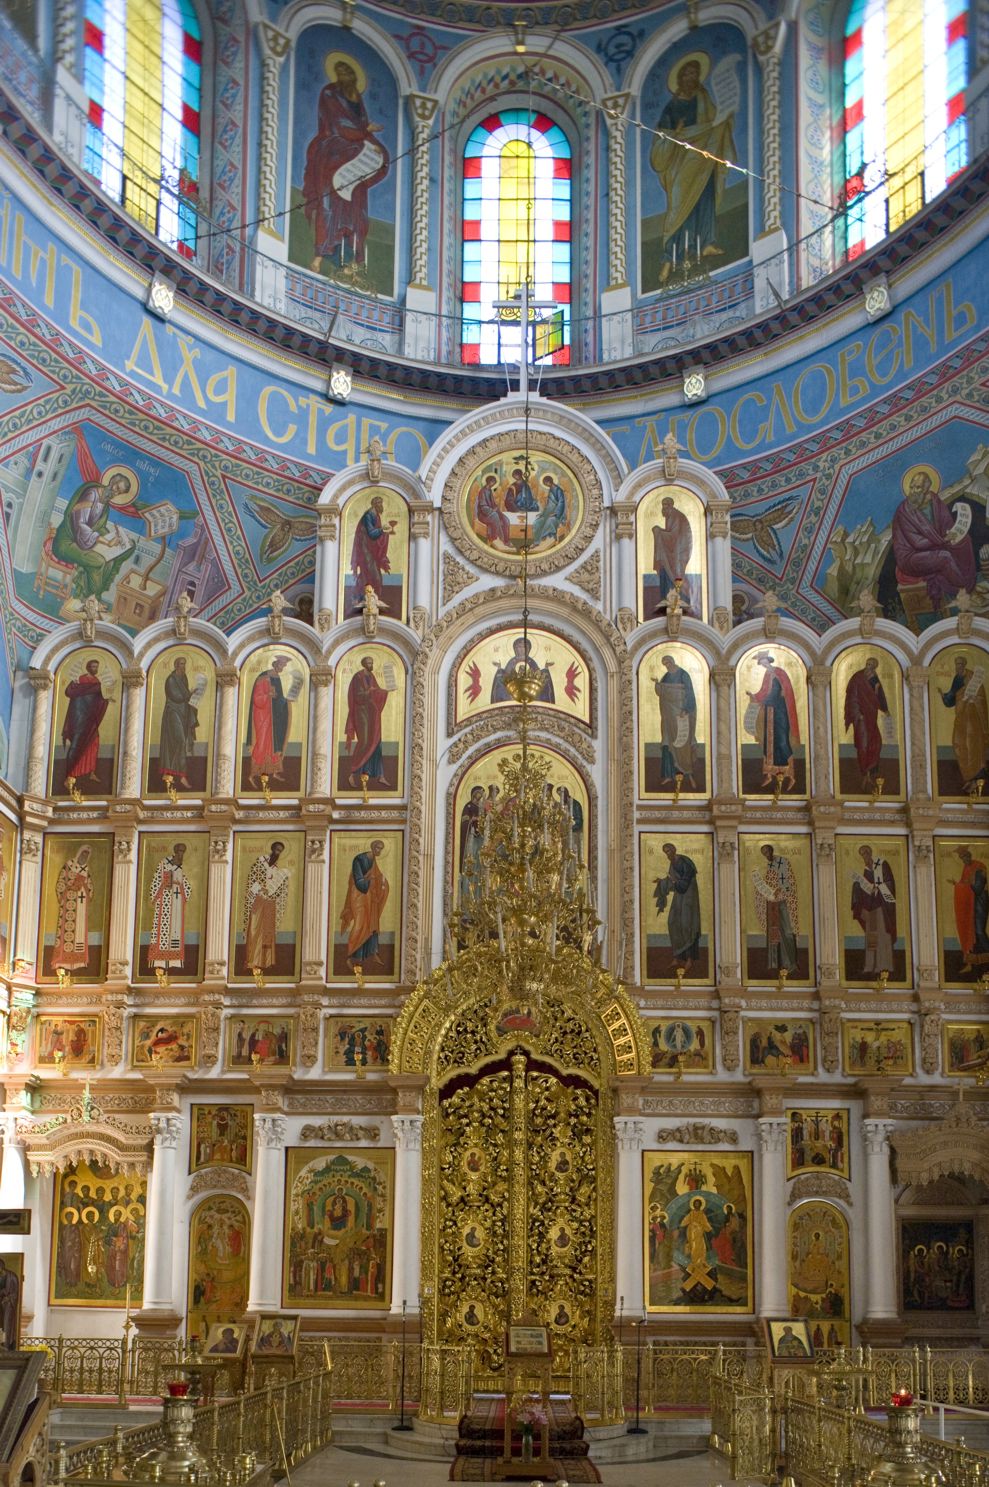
528 1415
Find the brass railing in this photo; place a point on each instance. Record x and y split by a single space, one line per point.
820 1443
440 1379
279 1423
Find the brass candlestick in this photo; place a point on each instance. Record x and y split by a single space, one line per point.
880 983
973 795
258 975
777 789
365 798
266 788
73 789
677 785
877 789
63 977
170 790
678 979
781 978
161 976
359 976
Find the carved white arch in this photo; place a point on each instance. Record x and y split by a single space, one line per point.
747 18
350 482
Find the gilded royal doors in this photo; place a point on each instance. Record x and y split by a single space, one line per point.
519 1159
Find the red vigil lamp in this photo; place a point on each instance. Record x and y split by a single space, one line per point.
901 1398
178 1389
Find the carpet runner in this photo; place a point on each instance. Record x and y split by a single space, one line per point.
480 1438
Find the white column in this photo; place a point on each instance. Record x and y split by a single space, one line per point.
879 1221
420 530
266 1240
28 904
327 567
626 587
18 1189
408 1211
771 1241
159 1269
925 923
722 762
124 883
130 785
321 677
725 952
218 906
37 761
918 781
629 1137
274 48
226 681
314 903
819 779
827 911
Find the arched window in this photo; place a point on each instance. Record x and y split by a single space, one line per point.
906 67
516 227
142 71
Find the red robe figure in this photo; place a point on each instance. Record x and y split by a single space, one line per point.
777 728
864 701
343 162
365 704
267 724
923 550
81 729
369 554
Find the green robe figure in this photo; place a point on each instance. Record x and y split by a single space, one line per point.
82 528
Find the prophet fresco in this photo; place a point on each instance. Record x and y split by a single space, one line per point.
962 878
677 908
178 742
818 1273
75 908
482 671
219 1260
817 1142
694 209
98 1246
671 552
959 713
479 795
369 722
87 724
772 725
698 1232
338 1223
777 902
345 138
867 708
778 1045
937 1265
874 911
221 1136
674 722
266 913
375 533
171 906
881 1047
274 721
366 903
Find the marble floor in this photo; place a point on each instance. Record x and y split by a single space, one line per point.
359 1466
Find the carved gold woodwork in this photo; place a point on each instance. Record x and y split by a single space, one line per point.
518 1148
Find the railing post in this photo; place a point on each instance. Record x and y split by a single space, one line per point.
58 1384
122 1376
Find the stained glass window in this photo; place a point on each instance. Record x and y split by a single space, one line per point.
142 71
516 228
906 68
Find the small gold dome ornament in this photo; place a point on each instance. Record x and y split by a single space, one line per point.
903 1465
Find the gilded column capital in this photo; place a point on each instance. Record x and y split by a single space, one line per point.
133 678
615 107
769 41
274 43
422 107
420 513
40 678
227 676
321 676
718 518
820 676
723 676
326 523
918 676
